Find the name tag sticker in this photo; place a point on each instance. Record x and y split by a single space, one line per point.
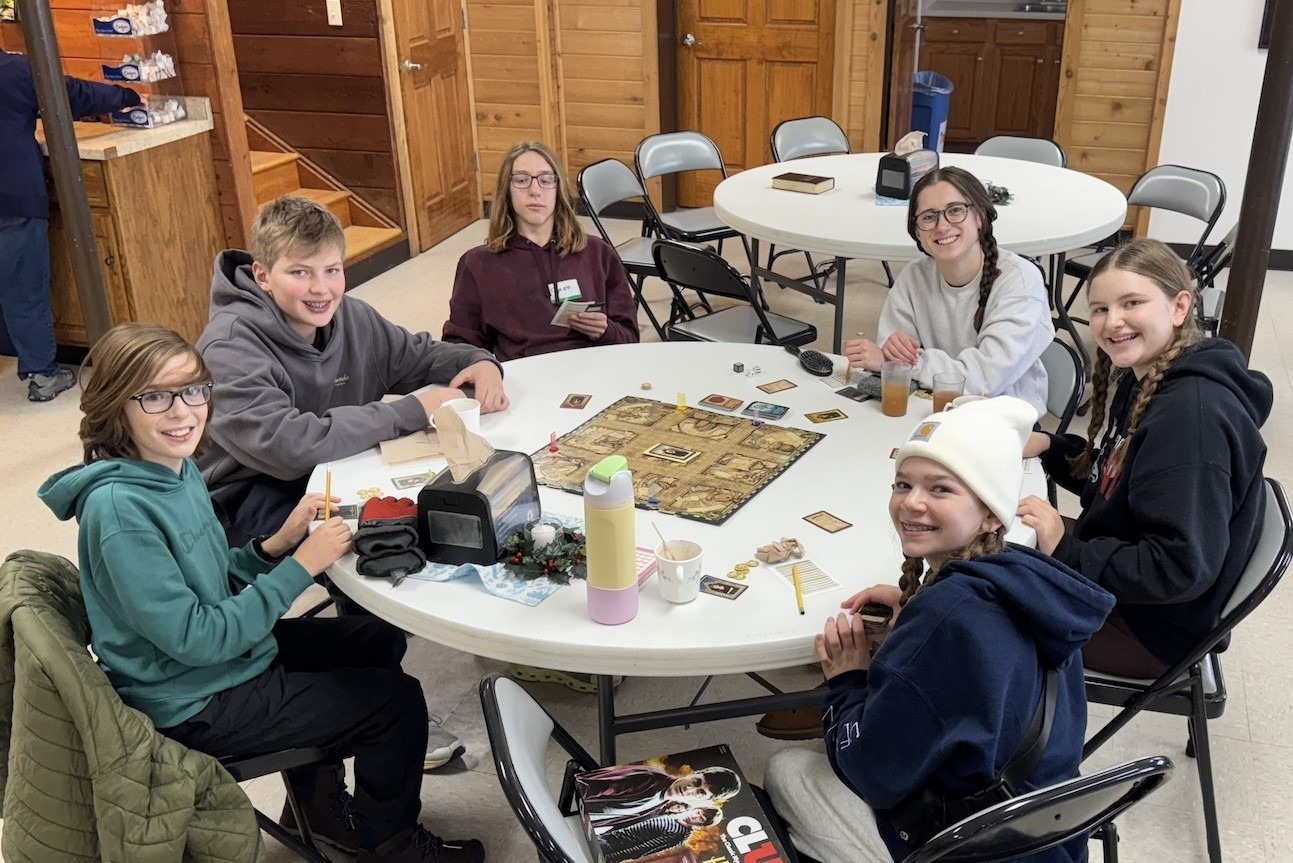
567 289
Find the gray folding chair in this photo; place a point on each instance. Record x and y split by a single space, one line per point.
1043 151
1194 687
702 269
1189 191
1065 380
1041 819
519 735
676 153
799 139
604 184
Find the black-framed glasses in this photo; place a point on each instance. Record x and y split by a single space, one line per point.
160 401
954 213
522 180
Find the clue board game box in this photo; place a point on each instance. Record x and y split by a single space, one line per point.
693 807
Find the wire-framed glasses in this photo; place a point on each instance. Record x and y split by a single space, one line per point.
522 180
954 213
160 401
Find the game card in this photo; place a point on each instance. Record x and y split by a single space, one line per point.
571 307
578 401
777 386
718 587
854 393
416 480
826 416
675 454
721 403
767 410
827 522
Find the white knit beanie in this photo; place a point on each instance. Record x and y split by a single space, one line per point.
982 442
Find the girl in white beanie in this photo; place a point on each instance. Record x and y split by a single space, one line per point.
1172 497
948 698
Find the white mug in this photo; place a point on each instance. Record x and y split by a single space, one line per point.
468 410
679 571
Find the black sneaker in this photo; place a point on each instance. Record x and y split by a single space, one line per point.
44 388
420 845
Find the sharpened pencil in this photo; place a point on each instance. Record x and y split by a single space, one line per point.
799 588
327 493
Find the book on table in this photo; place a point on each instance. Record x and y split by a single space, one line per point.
810 183
692 807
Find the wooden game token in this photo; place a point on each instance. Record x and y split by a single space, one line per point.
368 493
646 386
752 564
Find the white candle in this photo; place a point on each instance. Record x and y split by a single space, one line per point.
543 535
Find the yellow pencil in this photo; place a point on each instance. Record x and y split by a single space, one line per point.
327 493
799 588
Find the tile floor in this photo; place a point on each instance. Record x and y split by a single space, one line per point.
1253 740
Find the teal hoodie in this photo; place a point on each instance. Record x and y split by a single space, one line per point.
176 615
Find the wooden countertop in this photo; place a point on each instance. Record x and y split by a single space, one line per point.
101 141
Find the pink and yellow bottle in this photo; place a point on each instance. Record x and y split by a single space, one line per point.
610 527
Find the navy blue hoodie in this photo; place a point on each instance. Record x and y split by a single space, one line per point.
952 690
1170 534
22 173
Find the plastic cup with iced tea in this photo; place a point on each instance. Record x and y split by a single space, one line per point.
895 387
947 386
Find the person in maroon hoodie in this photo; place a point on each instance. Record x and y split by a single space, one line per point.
536 257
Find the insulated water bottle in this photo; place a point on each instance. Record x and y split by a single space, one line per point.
609 526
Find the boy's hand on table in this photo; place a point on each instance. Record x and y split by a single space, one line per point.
321 549
487 381
295 526
432 399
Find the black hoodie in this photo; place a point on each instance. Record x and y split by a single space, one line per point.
1170 535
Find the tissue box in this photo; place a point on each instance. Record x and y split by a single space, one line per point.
469 521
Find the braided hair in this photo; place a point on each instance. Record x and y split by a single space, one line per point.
914 578
1158 263
977 197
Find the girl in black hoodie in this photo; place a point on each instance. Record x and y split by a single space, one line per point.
1172 497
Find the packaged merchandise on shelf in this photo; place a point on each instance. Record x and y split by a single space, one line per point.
693 806
134 19
158 112
156 67
8 11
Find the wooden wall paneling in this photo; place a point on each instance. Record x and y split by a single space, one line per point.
237 194
390 52
866 77
358 18
323 130
307 55
841 87
648 26
552 105
361 94
1172 17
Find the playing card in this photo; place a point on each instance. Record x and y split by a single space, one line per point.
767 410
826 416
345 510
777 386
719 587
720 402
416 480
827 522
578 401
854 393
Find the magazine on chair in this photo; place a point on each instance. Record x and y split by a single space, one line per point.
692 807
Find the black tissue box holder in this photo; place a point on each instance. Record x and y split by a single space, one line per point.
470 521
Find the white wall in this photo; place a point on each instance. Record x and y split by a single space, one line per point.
1211 107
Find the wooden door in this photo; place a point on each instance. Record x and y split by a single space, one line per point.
1019 77
748 65
437 118
908 29
65 301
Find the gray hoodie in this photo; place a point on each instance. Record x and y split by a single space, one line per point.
282 406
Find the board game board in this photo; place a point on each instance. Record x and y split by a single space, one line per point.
701 464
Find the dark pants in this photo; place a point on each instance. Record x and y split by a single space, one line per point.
24 293
336 685
258 506
1114 649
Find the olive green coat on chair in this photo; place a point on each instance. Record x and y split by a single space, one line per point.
83 777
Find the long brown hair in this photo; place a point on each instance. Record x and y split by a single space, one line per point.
566 231
914 578
1158 263
125 362
977 197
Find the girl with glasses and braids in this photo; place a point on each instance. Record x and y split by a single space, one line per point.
968 307
1170 473
536 257
191 632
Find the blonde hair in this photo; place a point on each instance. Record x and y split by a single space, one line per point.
294 225
1158 263
567 233
125 361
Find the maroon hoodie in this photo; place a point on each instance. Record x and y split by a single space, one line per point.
502 302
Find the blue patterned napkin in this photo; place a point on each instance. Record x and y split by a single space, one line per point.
496 579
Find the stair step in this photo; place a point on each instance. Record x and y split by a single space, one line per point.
273 174
336 200
363 241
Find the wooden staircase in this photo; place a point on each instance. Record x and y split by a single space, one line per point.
279 170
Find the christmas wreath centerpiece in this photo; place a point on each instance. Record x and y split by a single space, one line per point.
999 195
559 561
